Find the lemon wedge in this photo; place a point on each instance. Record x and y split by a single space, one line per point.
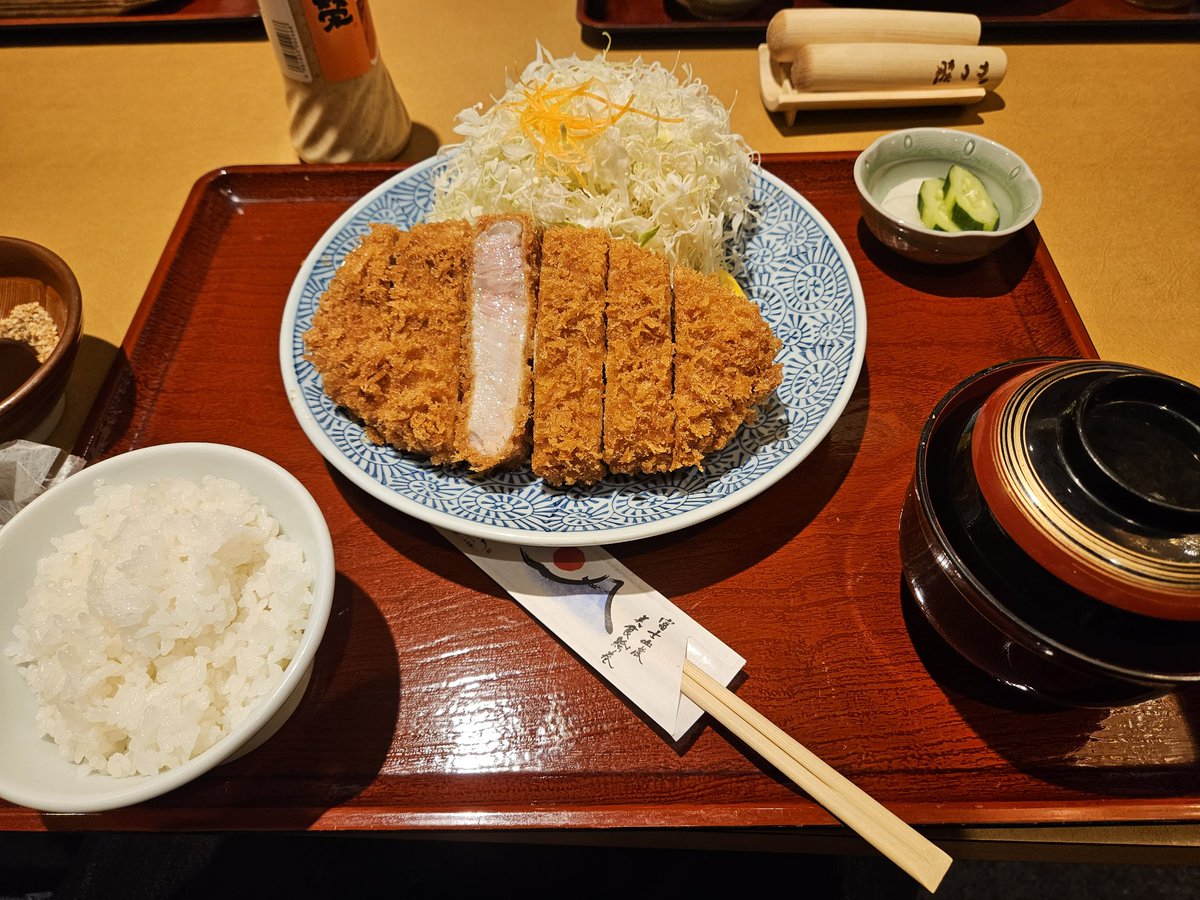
728 281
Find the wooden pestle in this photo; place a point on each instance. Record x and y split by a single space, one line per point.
791 29
881 66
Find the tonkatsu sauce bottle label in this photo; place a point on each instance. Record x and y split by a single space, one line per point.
344 36
339 33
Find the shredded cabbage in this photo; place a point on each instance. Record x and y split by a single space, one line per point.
624 146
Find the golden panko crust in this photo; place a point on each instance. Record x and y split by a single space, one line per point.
568 365
387 335
639 420
724 365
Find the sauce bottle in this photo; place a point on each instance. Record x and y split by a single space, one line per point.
343 105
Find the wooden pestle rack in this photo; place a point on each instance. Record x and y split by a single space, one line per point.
853 58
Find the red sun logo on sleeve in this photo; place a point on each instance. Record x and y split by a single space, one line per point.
569 559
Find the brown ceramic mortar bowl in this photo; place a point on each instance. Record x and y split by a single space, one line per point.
31 273
1051 532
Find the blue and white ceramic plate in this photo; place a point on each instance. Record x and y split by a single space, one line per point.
796 268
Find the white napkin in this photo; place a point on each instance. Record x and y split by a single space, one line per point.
27 470
628 632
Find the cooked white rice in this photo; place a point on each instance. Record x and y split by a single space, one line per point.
157 627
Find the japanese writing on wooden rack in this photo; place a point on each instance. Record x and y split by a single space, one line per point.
947 71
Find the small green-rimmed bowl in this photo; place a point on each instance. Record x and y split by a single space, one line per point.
888 175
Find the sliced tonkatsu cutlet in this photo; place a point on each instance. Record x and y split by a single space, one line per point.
724 364
639 419
387 335
568 369
495 343
427 299
497 376
349 341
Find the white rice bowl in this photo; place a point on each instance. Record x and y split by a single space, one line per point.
144 694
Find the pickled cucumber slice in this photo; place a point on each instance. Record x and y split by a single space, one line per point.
967 201
931 206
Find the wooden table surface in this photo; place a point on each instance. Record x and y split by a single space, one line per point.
102 139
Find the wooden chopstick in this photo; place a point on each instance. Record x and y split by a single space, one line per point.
890 835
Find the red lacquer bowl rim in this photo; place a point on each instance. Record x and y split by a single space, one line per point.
1118 574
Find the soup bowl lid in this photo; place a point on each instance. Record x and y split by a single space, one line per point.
1093 469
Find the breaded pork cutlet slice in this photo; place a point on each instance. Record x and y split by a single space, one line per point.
390 332
349 340
639 420
568 367
497 376
724 364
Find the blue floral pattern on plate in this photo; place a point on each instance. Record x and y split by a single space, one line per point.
797 269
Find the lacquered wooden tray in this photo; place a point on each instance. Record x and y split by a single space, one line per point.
165 13
1002 19
436 703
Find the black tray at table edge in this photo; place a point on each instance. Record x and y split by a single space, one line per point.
139 27
1148 25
